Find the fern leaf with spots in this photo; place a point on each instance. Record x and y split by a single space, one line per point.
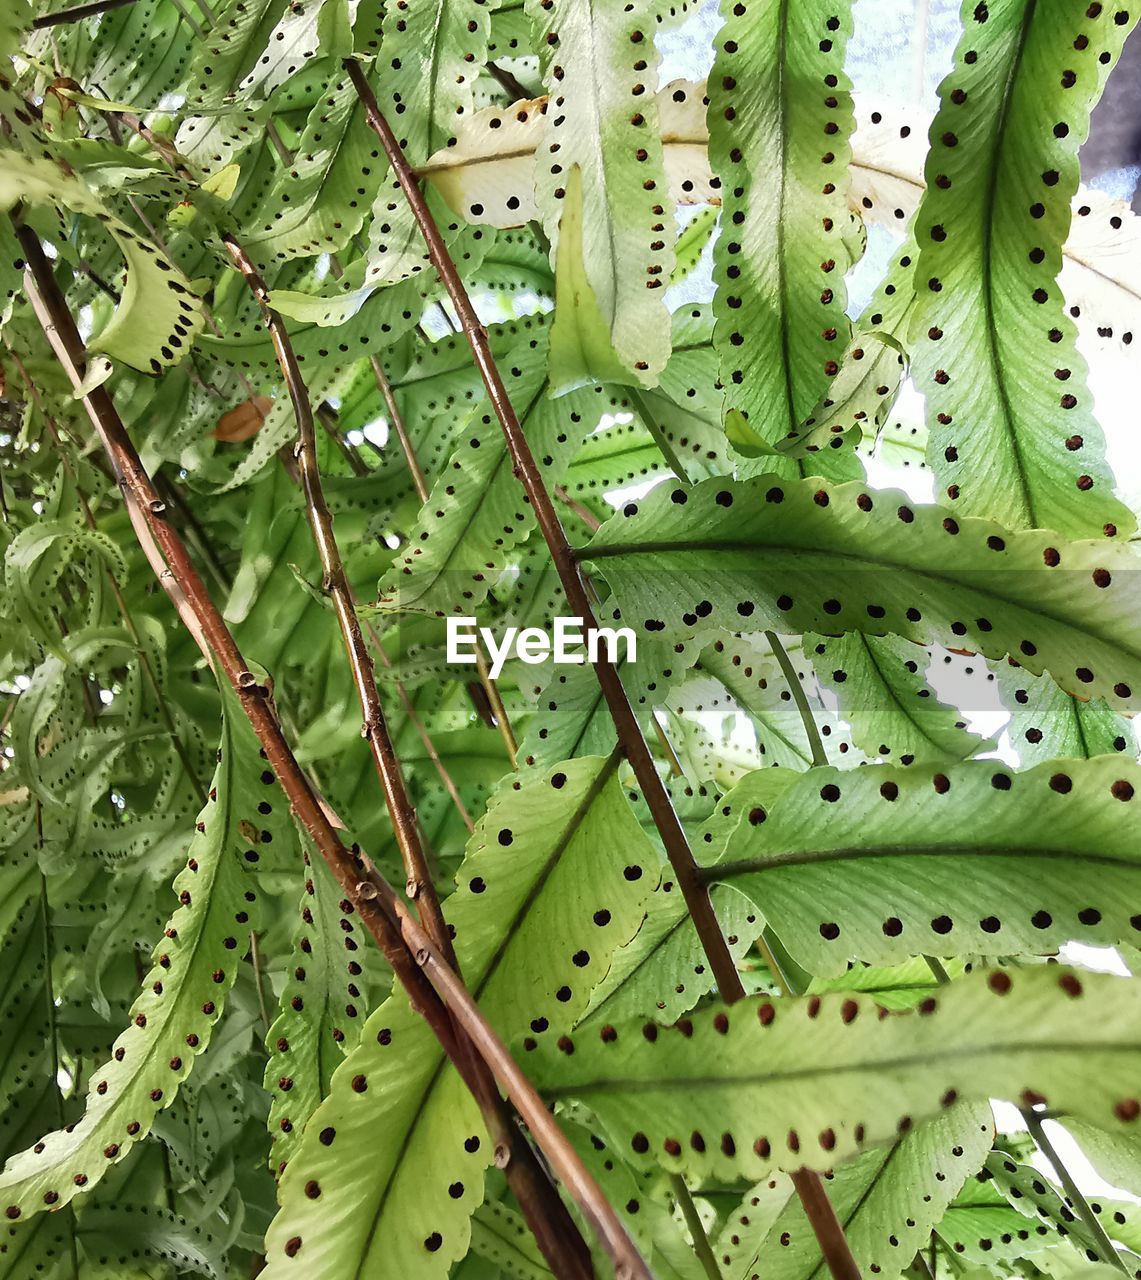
862 865
882 691
195 965
476 516
768 1085
159 313
877 1197
780 116
532 944
769 553
1013 434
319 1012
599 67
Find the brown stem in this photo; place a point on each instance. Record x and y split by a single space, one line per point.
77 14
508 83
422 733
584 513
553 1227
570 575
818 1208
396 420
433 987
336 584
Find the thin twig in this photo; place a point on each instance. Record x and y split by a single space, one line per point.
820 1212
433 986
1077 1199
629 731
517 91
701 1246
335 584
584 513
547 1216
815 744
259 987
78 13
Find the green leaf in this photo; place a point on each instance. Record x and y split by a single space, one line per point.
501 1235
120 1235
1012 428
1048 724
780 1085
803 555
322 199
1117 1157
982 1228
488 176
599 67
867 865
476 514
1040 1200
195 965
887 1201
780 115
663 972
692 242
159 313
317 1021
882 691
555 878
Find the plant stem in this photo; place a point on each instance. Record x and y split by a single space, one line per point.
78 13
821 1214
53 1023
553 1227
433 986
336 585
255 962
815 743
693 1221
517 91
570 576
179 167
1077 1199
937 969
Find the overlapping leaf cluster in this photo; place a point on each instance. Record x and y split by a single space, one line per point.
205 1068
